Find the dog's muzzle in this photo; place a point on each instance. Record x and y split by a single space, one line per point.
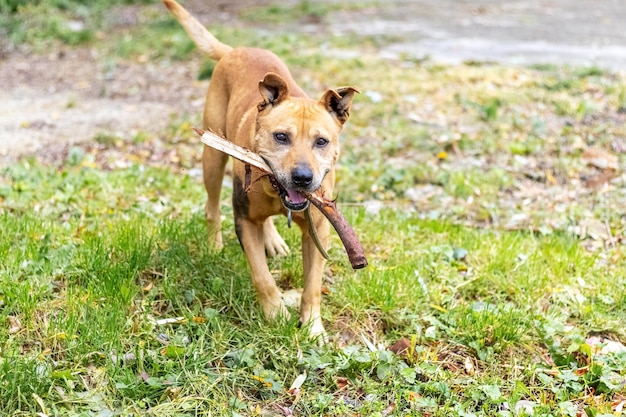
292 199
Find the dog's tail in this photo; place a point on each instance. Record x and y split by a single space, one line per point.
197 32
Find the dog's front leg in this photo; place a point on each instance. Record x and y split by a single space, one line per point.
270 298
213 166
314 264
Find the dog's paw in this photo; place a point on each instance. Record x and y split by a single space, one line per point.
293 297
274 243
218 245
315 327
317 332
275 246
215 240
275 310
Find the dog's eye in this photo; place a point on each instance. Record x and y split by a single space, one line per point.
281 138
321 142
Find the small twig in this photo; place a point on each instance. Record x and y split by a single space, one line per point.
316 239
248 175
248 183
348 237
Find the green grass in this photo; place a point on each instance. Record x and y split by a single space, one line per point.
466 186
95 258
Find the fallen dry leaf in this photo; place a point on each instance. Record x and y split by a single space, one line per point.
389 410
469 366
173 320
525 406
600 158
597 181
341 382
286 411
294 389
15 325
593 228
401 346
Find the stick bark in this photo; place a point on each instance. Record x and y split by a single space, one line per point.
346 233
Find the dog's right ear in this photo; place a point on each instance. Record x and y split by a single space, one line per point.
273 89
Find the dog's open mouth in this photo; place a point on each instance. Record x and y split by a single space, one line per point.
292 199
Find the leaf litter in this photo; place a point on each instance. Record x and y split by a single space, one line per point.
538 162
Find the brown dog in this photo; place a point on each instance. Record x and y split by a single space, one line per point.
254 102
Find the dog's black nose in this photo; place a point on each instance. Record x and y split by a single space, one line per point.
302 176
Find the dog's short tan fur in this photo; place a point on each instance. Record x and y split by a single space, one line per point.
253 101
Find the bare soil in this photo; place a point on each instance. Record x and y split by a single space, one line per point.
52 101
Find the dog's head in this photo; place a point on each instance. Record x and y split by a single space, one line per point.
299 137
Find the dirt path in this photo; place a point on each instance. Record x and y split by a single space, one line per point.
52 101
581 32
49 102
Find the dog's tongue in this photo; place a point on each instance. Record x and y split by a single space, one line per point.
295 197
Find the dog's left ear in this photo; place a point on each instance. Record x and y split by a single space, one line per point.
338 102
273 89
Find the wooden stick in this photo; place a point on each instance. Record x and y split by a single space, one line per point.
329 209
244 155
346 233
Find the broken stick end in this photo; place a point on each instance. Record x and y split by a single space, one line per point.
359 263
